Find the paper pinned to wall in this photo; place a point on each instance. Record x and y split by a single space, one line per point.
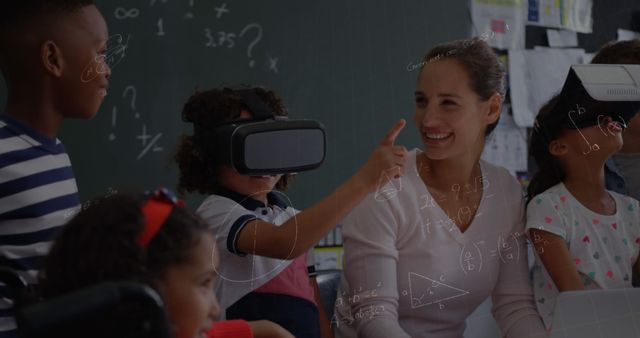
562 38
502 21
535 76
568 14
507 145
626 35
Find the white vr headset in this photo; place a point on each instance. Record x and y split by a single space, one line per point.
596 90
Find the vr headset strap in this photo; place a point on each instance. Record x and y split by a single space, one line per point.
255 104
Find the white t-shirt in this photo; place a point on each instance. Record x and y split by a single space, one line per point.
241 273
604 247
410 272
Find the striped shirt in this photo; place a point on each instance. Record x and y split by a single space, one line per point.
38 193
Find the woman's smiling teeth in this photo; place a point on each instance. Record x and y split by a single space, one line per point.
437 136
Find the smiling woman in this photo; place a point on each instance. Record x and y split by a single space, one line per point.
432 264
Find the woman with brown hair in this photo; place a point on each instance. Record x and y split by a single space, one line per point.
419 263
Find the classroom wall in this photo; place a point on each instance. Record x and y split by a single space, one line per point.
608 16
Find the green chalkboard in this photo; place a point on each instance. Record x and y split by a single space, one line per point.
348 64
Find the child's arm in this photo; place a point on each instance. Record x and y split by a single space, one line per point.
557 259
325 326
298 234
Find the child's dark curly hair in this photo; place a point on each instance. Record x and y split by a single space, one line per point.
100 244
198 171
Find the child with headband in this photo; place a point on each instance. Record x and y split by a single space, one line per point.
151 240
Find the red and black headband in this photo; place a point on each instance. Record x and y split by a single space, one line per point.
156 210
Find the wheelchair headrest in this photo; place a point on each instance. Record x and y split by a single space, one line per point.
122 309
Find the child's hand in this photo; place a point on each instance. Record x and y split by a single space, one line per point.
267 329
386 162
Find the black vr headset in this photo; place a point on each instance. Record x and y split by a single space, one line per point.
264 144
592 92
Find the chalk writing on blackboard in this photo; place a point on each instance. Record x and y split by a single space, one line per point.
121 13
221 10
132 90
225 39
143 137
245 38
153 2
160 28
112 135
255 27
273 64
222 39
149 142
189 14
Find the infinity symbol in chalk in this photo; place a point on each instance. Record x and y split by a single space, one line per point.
121 13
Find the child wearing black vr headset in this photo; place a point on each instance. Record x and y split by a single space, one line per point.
263 241
585 236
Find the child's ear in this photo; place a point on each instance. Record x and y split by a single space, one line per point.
495 108
52 59
558 148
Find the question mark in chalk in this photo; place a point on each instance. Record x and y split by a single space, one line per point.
133 98
254 42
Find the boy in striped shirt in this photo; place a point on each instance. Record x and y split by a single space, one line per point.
52 60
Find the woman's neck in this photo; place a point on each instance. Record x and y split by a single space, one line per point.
443 174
